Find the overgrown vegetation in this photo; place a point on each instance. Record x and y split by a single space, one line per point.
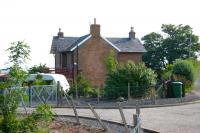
185 71
83 88
138 76
111 62
13 94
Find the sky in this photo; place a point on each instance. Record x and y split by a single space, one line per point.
37 21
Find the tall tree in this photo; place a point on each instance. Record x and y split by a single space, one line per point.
176 42
154 57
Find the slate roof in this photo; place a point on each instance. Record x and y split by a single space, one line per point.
65 43
127 44
123 44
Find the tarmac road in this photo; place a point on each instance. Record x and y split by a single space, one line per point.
174 119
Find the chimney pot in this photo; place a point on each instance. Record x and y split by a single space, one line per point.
94 20
132 33
60 34
95 29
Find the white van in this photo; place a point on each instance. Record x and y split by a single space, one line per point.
53 79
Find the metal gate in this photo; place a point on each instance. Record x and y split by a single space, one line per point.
43 94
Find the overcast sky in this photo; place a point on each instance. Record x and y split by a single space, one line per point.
37 21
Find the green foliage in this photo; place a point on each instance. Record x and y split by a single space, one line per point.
9 102
19 52
9 106
154 57
111 62
166 75
83 87
177 42
183 70
138 76
38 80
31 122
13 93
41 68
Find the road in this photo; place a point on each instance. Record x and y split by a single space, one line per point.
174 119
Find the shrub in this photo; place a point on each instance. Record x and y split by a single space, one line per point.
184 68
138 76
83 87
167 72
184 71
111 62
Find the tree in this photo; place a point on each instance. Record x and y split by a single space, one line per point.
19 53
177 42
13 93
154 57
180 43
41 68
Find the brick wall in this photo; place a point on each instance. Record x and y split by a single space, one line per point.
135 57
92 56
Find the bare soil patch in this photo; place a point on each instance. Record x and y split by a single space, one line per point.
69 127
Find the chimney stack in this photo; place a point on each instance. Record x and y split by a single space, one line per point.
60 34
95 29
132 34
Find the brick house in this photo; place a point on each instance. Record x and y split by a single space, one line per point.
87 54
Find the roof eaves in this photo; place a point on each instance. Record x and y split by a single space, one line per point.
73 48
111 44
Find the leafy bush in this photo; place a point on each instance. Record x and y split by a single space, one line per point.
184 71
83 87
28 123
111 62
184 68
166 75
138 76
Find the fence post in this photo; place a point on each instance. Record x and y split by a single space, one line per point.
155 96
164 90
128 91
98 118
30 95
123 118
58 93
138 117
61 96
135 122
98 91
75 111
